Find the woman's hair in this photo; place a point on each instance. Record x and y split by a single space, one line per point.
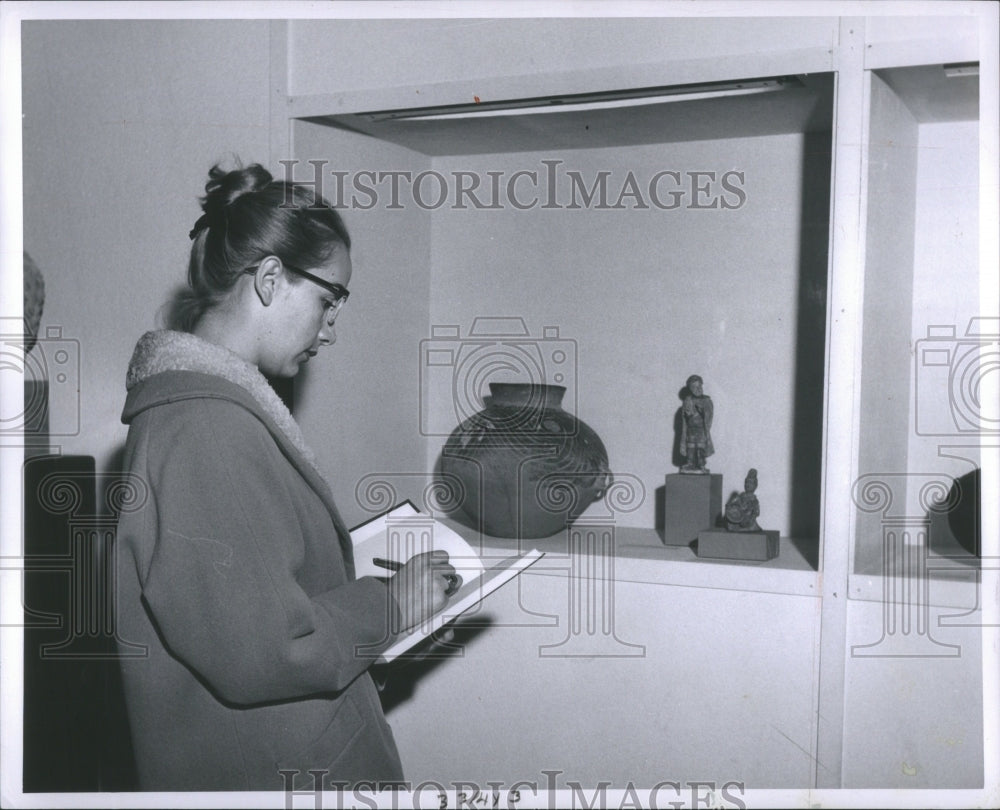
249 215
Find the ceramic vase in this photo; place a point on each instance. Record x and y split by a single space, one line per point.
526 467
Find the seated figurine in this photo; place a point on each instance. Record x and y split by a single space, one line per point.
743 509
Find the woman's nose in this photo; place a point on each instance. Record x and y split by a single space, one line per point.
327 335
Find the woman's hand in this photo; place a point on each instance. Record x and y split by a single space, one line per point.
422 587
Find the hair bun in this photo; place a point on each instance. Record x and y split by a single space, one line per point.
225 187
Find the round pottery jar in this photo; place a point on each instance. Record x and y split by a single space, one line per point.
527 468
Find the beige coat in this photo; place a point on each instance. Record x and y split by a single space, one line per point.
237 576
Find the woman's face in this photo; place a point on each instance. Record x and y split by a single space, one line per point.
302 321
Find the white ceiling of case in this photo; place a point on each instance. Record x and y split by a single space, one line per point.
803 108
932 96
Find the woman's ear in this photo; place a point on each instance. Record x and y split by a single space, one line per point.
265 280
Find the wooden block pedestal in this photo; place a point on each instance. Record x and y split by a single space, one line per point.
725 545
691 503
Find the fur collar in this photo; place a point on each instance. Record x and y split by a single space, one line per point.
166 350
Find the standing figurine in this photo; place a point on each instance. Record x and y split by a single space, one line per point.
743 509
696 427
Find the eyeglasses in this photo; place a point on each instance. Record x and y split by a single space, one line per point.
339 292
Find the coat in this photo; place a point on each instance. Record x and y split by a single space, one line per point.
236 575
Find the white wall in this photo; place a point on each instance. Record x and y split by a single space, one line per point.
922 276
913 670
646 704
122 121
913 714
357 402
946 293
330 56
888 280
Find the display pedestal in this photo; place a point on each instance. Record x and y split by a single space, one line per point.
725 545
691 503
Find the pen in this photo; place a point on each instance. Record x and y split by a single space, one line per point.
454 581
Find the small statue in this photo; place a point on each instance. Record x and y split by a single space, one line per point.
696 427
743 509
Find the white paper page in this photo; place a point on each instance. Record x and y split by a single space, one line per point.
470 595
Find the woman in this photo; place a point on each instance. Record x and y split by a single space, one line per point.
237 573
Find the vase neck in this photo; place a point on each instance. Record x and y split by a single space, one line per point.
527 395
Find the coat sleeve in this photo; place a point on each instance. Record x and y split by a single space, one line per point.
221 577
